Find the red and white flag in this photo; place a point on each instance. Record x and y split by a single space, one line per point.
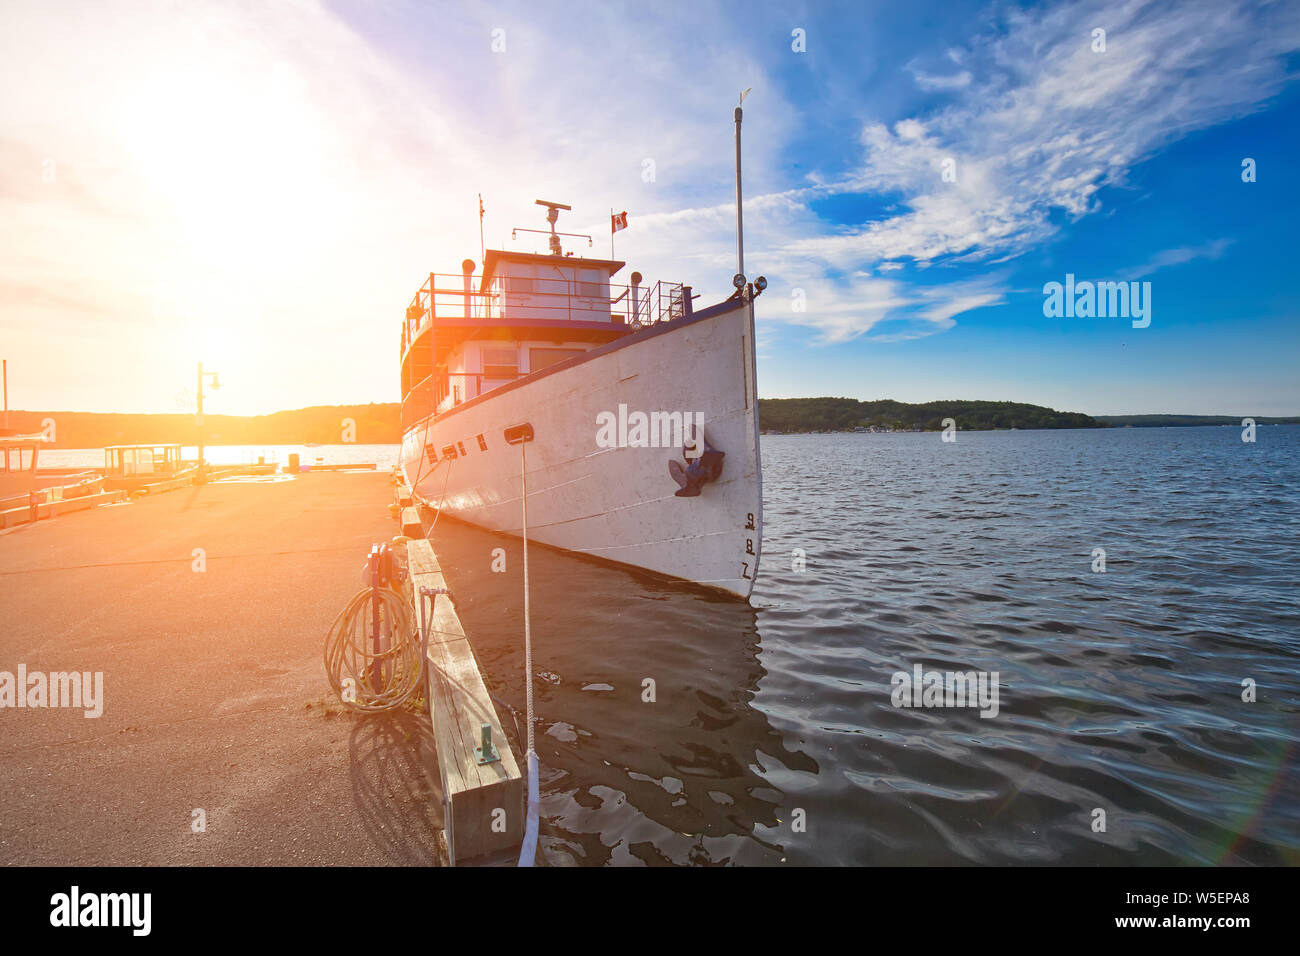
618 221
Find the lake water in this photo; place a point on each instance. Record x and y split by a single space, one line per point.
773 736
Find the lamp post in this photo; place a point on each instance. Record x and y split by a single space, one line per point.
198 418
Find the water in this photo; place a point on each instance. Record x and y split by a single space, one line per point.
383 455
1119 691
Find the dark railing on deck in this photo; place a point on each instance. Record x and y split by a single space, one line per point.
444 298
558 299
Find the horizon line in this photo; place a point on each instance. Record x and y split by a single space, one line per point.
304 408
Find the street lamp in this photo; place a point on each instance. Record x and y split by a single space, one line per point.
198 419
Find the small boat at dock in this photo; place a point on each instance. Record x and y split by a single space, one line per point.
130 467
25 487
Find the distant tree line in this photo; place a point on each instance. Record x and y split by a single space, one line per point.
847 414
1165 421
380 423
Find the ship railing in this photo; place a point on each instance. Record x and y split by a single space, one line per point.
644 306
443 296
511 298
448 389
417 403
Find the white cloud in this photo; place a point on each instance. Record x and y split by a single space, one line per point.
934 82
1213 249
1048 122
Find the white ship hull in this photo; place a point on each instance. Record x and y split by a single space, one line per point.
614 503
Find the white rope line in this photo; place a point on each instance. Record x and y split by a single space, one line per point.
528 851
528 631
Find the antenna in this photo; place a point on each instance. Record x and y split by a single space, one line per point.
740 222
553 214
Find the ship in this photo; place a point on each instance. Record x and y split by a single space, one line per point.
629 415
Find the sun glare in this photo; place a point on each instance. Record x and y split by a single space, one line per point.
237 154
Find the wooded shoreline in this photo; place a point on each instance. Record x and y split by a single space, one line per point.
379 423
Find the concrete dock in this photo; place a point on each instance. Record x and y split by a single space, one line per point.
205 609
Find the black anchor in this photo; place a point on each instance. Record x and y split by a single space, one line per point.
699 471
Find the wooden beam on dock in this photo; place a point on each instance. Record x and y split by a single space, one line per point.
50 509
402 493
167 484
357 466
412 527
483 803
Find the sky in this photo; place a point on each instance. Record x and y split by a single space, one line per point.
262 187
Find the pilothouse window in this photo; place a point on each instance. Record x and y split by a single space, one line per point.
588 284
500 364
19 459
539 358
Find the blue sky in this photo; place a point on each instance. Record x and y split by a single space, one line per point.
262 187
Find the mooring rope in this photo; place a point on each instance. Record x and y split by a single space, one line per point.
366 679
528 851
442 498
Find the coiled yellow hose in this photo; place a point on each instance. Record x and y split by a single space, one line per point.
367 679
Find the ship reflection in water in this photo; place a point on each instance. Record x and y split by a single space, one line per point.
673 780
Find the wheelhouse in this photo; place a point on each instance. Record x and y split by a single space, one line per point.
466 335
